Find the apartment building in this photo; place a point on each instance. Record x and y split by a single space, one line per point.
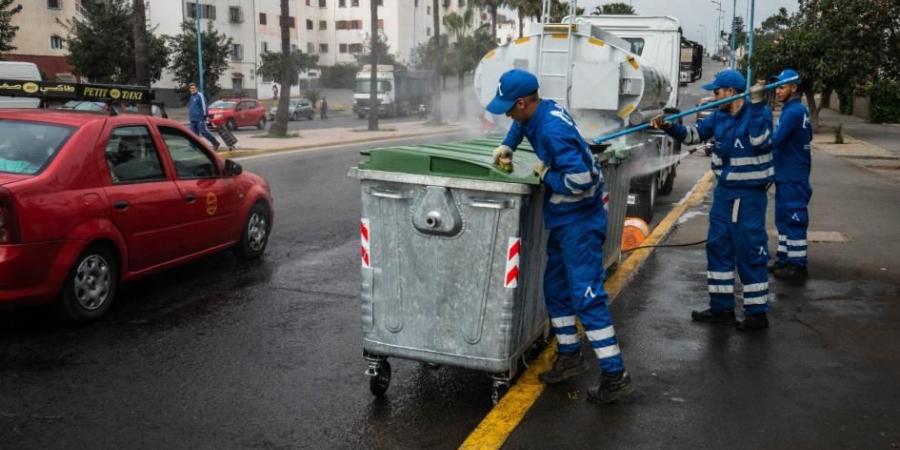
41 36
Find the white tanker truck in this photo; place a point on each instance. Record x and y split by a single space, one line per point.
610 72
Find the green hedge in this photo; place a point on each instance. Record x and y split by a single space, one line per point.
339 76
884 101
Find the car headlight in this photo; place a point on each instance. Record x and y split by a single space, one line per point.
217 116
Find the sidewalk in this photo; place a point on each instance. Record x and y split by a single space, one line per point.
824 375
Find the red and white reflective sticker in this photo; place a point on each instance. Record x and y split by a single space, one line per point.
605 200
364 247
511 280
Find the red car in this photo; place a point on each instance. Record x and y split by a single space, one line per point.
237 112
89 200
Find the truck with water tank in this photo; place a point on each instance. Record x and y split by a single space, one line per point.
399 91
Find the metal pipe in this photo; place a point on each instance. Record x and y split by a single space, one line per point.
750 46
693 110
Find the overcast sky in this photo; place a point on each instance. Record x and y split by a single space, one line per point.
693 13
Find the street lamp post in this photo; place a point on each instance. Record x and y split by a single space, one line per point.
732 60
718 26
750 45
199 46
702 29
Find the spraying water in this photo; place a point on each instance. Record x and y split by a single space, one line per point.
650 164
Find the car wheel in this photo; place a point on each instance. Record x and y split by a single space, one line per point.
90 288
261 125
231 124
255 233
309 116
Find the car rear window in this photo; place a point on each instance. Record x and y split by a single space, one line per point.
25 147
222 105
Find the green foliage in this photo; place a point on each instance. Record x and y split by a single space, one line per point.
427 55
101 44
299 62
312 95
884 98
216 49
382 50
7 30
614 8
339 76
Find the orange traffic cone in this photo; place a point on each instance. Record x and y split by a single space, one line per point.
634 233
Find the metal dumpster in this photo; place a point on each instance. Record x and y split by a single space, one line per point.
452 254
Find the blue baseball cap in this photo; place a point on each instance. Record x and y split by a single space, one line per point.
786 74
728 78
513 85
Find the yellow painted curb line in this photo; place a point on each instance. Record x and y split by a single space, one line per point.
256 151
503 419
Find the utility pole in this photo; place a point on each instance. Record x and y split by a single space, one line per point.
197 11
732 60
718 39
750 46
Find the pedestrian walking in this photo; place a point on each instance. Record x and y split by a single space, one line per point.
742 163
791 148
197 115
323 109
274 91
576 220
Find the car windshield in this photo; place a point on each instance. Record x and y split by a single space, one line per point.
362 86
83 106
221 104
26 146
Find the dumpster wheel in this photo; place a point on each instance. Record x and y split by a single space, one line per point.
500 386
379 374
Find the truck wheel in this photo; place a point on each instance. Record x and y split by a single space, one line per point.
667 185
90 288
255 233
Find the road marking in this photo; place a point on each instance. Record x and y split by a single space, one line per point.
503 419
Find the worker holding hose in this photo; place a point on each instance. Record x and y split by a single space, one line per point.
791 149
576 220
742 163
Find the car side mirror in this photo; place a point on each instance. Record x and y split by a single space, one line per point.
232 169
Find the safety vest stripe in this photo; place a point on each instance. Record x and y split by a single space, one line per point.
577 182
562 198
751 160
747 176
601 334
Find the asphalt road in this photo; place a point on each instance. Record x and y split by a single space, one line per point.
223 354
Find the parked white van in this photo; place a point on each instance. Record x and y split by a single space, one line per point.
16 70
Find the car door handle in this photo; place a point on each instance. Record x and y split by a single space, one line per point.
190 197
121 205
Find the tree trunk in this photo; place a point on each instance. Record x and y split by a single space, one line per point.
279 126
373 73
141 52
494 21
436 115
811 101
521 22
461 99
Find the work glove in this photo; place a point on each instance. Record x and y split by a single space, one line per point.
758 92
503 156
619 150
540 170
660 123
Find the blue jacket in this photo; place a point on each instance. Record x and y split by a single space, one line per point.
742 157
791 143
197 107
574 181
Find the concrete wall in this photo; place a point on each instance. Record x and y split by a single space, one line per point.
860 105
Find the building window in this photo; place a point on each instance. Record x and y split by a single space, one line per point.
323 24
265 47
357 25
54 4
292 22
354 3
428 31
323 3
445 3
56 42
462 3
235 14
323 48
310 48
428 10
206 11
307 2
237 52
262 18
293 47
380 2
309 24
356 48
343 48
415 3
342 3
380 24
237 84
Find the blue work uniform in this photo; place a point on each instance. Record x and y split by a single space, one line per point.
791 147
742 163
197 116
576 220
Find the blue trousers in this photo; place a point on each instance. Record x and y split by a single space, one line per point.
792 220
573 287
199 128
737 238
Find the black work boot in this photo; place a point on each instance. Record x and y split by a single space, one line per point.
613 386
753 323
708 316
775 265
791 272
564 367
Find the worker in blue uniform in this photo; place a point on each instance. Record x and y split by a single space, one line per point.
576 220
197 115
742 163
791 148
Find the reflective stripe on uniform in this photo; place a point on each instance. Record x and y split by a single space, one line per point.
761 300
736 209
751 160
601 334
756 287
720 275
796 243
564 321
755 175
607 352
567 339
721 288
782 248
797 254
572 179
759 140
562 198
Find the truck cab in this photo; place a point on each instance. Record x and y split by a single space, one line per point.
400 92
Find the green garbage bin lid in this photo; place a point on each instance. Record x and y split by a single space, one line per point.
472 159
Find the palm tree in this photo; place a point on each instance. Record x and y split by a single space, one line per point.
373 62
141 52
613 8
279 126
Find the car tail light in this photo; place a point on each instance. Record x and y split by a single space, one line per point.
9 227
